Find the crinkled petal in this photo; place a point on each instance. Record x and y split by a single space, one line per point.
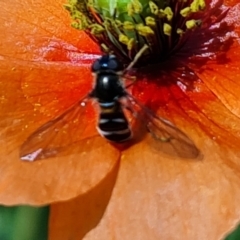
29 29
200 84
161 197
223 80
231 2
52 179
191 110
42 71
157 197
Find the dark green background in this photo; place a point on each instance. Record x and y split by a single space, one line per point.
31 223
23 223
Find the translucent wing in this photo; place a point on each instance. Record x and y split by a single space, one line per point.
165 136
59 134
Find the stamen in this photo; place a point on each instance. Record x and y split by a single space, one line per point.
197 5
144 30
153 8
150 21
191 24
167 29
134 7
123 29
186 12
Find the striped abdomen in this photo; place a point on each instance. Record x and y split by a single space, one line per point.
112 123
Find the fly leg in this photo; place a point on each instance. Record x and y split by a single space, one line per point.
137 56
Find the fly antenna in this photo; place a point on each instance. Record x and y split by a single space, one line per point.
137 56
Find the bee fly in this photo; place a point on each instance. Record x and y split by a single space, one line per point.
112 98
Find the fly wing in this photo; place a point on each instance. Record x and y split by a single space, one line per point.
59 134
165 135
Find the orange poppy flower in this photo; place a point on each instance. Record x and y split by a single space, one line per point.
139 192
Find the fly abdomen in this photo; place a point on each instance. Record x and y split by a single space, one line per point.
112 123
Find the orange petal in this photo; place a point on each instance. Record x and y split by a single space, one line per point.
28 27
203 88
59 178
222 80
157 197
53 179
193 110
231 2
43 33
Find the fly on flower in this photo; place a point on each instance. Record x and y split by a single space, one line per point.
113 100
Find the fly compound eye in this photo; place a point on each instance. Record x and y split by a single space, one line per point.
114 64
107 63
96 66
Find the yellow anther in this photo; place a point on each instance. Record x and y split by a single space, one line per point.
180 31
167 29
68 7
150 21
197 5
185 12
144 30
191 24
153 8
127 25
131 44
166 13
134 7
169 13
96 28
76 25
126 41
123 39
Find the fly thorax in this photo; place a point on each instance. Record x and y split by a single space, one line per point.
108 87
